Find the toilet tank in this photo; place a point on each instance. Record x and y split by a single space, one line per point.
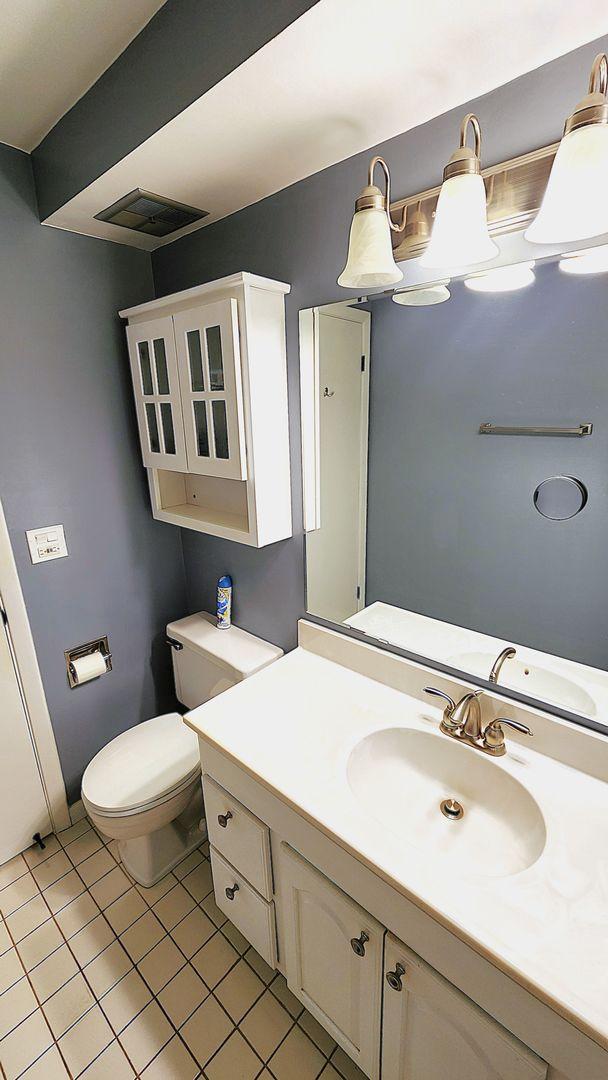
211 660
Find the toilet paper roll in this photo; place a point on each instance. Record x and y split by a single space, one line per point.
89 667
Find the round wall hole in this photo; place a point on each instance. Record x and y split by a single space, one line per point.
560 497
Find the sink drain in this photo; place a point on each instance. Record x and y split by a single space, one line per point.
451 809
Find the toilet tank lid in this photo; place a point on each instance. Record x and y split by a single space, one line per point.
241 653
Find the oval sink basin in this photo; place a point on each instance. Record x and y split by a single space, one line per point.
403 776
530 679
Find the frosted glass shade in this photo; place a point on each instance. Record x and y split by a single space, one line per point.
423 297
460 231
502 279
370 261
575 204
593 261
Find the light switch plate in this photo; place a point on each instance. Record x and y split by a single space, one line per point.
47 543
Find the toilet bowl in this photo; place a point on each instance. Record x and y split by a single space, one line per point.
143 788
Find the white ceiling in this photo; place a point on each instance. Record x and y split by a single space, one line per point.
52 51
335 82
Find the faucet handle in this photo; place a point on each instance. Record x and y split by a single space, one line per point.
494 736
448 723
440 693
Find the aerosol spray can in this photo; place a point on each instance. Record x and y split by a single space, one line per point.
224 602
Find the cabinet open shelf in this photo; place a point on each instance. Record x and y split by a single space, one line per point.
208 504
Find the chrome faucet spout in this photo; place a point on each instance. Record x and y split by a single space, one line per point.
506 654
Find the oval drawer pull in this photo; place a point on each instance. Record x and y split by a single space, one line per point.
230 892
223 819
393 978
357 944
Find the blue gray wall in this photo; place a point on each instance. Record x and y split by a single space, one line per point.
69 453
452 529
299 235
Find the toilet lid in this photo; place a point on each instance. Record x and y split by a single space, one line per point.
142 765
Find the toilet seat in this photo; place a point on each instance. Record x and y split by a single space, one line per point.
142 768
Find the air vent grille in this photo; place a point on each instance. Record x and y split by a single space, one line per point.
143 212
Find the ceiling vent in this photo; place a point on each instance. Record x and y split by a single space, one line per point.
143 212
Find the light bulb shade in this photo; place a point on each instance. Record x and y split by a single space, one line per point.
575 204
460 232
593 261
425 296
370 261
502 279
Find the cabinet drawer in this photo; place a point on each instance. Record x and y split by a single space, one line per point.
249 912
239 836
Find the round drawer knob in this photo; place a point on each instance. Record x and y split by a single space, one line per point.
357 944
394 978
230 892
223 819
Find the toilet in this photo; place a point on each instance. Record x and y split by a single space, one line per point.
144 788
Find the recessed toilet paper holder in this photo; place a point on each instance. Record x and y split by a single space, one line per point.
97 645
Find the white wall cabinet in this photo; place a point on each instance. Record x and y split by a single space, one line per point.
431 1031
210 383
333 959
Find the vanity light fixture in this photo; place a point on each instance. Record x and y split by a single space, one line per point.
423 295
592 261
575 204
502 278
370 261
460 234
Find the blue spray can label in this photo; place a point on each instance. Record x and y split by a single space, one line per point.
224 602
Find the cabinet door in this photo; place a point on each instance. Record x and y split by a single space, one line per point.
209 360
340 986
157 394
431 1031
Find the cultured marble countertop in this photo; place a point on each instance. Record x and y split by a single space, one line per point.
293 727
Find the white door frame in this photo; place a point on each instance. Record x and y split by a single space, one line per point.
310 390
30 683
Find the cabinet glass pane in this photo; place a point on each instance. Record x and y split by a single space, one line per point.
220 429
153 428
214 354
166 419
160 359
202 432
196 360
145 367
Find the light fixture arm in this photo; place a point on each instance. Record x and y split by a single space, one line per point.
471 119
386 199
598 79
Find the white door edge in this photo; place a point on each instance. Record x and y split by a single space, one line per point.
30 681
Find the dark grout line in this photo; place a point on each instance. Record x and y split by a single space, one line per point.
198 904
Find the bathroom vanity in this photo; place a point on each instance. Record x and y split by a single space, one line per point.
428 947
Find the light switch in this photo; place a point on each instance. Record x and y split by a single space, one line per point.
47 543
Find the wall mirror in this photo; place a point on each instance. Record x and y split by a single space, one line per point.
429 426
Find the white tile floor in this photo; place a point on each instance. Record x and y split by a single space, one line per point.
102 978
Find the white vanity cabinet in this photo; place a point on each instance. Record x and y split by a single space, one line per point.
210 382
333 959
431 1031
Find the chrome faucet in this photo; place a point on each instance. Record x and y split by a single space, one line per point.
462 721
506 654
